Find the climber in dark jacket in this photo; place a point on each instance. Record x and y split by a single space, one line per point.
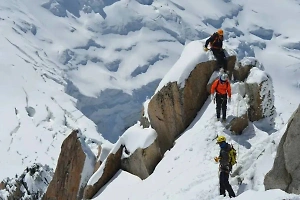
224 167
216 46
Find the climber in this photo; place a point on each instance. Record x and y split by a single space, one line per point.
216 46
222 88
224 167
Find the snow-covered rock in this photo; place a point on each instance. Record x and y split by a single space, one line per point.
181 94
136 152
260 92
31 184
285 172
74 168
107 170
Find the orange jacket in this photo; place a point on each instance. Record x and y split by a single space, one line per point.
221 88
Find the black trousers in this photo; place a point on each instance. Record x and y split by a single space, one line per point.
221 58
224 185
221 103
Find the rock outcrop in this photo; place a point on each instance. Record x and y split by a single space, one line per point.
137 152
109 168
143 161
238 124
255 110
257 93
98 161
2 185
31 184
285 174
74 168
242 72
260 94
243 67
144 121
172 108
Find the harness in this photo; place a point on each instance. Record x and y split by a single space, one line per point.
225 165
217 88
217 38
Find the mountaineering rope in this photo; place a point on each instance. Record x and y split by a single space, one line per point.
237 114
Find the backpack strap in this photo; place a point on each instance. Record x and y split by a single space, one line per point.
218 85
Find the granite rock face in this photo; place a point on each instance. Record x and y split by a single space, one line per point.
69 174
172 109
285 173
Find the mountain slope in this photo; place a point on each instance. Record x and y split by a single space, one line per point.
114 53
110 55
139 47
114 63
188 170
36 113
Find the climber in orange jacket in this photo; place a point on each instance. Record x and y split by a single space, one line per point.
222 89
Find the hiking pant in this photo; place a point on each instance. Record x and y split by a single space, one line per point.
221 58
221 102
224 184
